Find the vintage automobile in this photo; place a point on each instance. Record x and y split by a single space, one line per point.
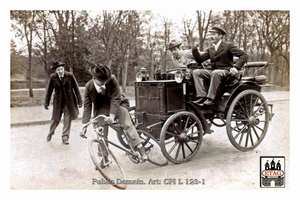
164 108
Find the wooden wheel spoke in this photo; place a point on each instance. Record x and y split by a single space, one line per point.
188 146
239 120
183 151
254 104
241 139
191 127
186 123
237 127
258 110
243 109
193 133
249 136
173 147
170 133
176 127
239 114
177 152
170 141
255 132
259 128
239 132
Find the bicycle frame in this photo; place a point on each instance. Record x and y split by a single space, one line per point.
99 131
131 151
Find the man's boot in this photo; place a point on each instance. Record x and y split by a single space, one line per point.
142 151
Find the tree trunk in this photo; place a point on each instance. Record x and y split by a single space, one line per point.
124 76
271 69
30 73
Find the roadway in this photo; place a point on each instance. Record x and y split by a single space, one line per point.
39 165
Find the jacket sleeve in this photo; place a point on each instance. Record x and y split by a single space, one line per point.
243 57
87 105
115 96
49 90
76 90
199 58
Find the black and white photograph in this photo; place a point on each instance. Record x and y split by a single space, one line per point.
129 99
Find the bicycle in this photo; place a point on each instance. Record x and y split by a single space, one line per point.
105 160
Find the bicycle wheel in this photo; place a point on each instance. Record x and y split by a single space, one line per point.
153 150
107 164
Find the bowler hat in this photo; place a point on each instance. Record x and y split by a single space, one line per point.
173 44
57 64
100 72
218 30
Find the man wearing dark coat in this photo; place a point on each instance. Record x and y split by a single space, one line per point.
221 57
65 100
103 96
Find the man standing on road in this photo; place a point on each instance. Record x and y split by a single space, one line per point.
66 98
221 58
102 93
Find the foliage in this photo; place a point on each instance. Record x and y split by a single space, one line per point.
126 40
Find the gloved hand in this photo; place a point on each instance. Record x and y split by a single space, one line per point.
233 71
83 132
46 107
111 119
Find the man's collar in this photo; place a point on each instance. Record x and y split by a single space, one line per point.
218 43
99 88
61 76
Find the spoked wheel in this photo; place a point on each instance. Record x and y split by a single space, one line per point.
181 137
153 150
107 164
247 120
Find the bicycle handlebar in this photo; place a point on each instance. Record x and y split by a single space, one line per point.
106 118
99 116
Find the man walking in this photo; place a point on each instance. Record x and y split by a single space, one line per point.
66 98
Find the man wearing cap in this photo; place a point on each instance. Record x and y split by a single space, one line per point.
181 57
221 57
102 93
66 98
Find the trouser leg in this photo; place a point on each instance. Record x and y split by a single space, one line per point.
126 123
66 123
199 75
101 145
101 122
53 126
215 81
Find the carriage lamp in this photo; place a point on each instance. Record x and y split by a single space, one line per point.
179 76
182 75
141 75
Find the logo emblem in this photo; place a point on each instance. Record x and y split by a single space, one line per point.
272 171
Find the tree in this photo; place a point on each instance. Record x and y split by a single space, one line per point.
25 28
42 48
204 20
274 29
14 59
